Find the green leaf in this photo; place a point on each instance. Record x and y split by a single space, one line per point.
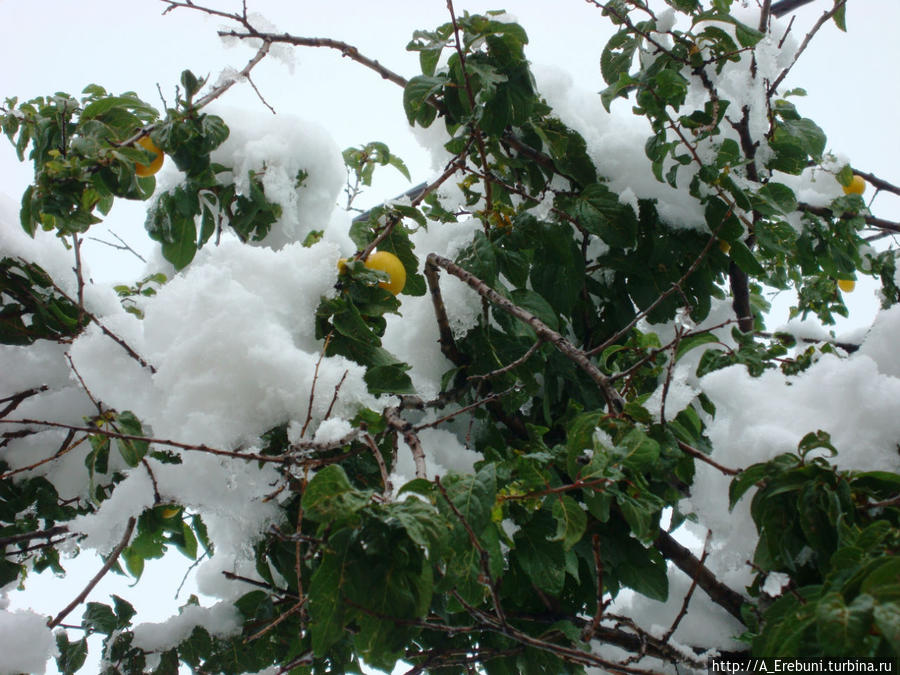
840 628
840 15
747 36
571 521
416 95
887 620
541 559
617 55
330 497
326 605
745 259
775 199
640 452
473 496
692 341
99 618
132 451
70 655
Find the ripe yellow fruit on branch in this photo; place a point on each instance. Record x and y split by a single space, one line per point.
391 265
857 186
144 170
170 511
846 285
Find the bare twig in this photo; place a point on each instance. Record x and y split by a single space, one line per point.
591 629
382 468
346 50
696 454
115 338
872 221
312 388
839 4
687 598
16 399
394 420
580 358
110 561
48 534
121 246
245 73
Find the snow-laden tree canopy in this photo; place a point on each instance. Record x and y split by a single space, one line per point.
570 442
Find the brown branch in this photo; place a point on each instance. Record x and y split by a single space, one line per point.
476 132
346 50
730 600
394 420
79 276
448 343
696 454
231 576
110 561
115 338
839 4
826 212
580 358
28 536
687 598
876 182
15 399
382 468
740 291
246 456
591 629
312 388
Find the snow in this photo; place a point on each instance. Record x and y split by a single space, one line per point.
26 643
220 620
276 148
232 342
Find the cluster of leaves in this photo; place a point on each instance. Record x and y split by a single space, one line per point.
835 534
499 568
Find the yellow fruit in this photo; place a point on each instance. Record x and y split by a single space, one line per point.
390 264
724 246
857 186
846 285
170 511
144 170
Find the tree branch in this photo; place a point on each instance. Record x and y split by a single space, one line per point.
613 398
110 561
731 601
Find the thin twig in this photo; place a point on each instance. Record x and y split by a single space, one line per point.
696 454
110 561
580 358
382 467
48 534
121 246
687 598
16 399
346 50
395 420
839 4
